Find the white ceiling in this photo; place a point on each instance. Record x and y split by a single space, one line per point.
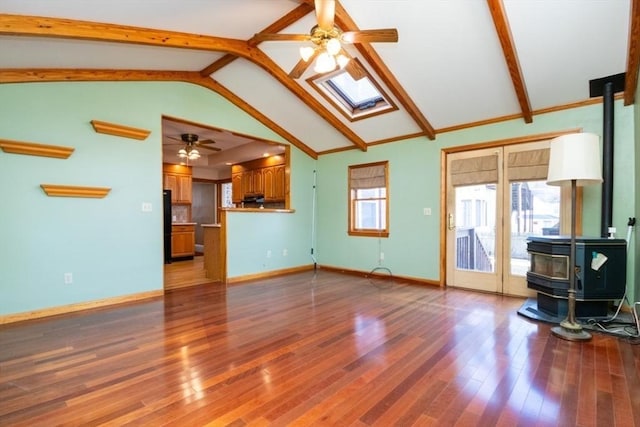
448 58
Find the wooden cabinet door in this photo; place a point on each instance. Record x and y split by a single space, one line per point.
268 175
171 183
184 189
182 240
236 188
258 182
247 183
279 186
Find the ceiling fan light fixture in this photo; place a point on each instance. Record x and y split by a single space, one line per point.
182 153
306 52
325 63
194 154
333 46
342 61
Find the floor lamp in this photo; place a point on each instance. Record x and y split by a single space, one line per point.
574 160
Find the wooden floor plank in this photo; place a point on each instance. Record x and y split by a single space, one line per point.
312 349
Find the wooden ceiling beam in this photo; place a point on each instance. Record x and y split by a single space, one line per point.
279 25
633 56
511 57
346 23
92 75
73 29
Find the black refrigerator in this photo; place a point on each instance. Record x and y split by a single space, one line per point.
166 224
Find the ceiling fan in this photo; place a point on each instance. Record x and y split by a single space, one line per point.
191 145
328 52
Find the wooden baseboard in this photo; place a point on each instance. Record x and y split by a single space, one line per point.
70 308
267 274
381 274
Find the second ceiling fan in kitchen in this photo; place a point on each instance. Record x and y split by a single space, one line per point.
191 144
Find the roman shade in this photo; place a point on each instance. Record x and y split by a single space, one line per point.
475 170
528 165
371 176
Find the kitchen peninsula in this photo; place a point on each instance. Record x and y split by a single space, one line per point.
215 259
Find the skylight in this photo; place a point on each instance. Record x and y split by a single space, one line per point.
356 99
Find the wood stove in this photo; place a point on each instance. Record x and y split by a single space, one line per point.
600 274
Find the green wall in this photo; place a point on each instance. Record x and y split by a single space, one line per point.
110 246
251 236
114 249
412 249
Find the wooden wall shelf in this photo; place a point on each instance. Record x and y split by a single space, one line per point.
119 130
54 190
33 149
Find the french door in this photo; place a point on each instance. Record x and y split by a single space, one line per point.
496 198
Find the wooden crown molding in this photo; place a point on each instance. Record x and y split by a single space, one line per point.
55 190
119 130
94 75
19 25
33 149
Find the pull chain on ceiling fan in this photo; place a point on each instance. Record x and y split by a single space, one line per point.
328 52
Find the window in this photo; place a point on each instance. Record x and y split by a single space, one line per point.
226 201
368 200
356 97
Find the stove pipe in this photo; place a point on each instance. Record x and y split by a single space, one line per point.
607 87
606 219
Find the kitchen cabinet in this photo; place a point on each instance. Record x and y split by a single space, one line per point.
260 176
236 188
183 240
177 178
180 186
274 183
252 182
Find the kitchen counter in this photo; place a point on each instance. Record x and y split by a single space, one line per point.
184 223
210 225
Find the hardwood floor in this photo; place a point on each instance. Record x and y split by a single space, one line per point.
305 349
181 274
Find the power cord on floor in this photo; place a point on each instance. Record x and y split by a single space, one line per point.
620 329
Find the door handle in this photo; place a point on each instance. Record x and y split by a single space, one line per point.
452 224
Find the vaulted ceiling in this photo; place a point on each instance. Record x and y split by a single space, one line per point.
456 64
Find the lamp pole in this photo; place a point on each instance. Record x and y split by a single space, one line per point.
569 328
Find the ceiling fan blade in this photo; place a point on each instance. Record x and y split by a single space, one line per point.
302 66
266 37
325 13
389 35
207 141
177 139
210 148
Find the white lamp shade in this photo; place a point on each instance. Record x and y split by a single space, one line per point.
575 156
325 63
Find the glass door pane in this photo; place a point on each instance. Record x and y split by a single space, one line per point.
475 227
535 211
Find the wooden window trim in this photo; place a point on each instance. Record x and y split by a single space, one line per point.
351 231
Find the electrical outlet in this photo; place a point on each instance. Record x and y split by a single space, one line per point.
285 252
269 253
68 278
381 256
426 211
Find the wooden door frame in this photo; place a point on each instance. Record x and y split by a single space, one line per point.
443 181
